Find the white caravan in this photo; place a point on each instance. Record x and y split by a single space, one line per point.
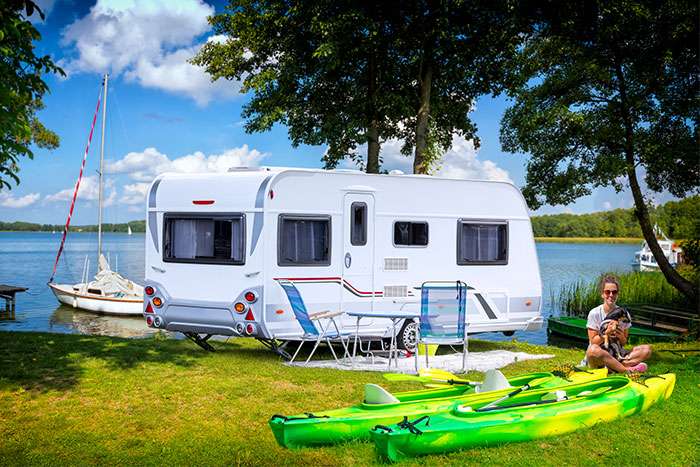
216 245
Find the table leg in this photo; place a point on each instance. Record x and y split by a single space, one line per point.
354 346
392 345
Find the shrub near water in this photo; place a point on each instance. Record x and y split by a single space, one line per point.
638 288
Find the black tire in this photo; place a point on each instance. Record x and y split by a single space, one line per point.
408 336
508 333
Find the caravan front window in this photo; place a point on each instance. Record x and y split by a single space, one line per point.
482 242
304 240
217 239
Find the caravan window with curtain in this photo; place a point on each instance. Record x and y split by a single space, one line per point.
218 239
482 242
304 240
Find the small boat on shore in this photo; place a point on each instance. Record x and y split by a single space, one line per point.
575 328
527 416
644 259
109 292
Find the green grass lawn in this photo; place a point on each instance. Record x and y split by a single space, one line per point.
71 399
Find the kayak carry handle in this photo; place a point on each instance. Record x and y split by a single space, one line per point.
309 415
383 428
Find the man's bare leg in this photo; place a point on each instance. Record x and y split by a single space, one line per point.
598 358
638 354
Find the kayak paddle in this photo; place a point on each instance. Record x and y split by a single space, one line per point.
594 393
534 383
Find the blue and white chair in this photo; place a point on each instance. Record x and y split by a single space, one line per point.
312 323
443 316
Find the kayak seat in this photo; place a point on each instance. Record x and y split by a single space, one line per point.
375 394
494 380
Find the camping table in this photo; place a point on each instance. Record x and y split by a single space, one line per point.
394 316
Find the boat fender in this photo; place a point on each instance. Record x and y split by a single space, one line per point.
375 394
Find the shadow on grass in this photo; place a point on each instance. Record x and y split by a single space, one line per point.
42 361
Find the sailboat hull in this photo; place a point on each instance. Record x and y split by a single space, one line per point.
127 306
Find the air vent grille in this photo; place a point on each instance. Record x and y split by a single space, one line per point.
395 291
396 264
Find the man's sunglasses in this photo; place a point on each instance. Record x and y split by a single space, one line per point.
610 292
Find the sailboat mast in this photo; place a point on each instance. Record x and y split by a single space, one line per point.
102 157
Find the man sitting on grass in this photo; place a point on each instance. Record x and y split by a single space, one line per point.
596 355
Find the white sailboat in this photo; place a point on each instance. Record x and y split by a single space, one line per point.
128 229
109 292
644 259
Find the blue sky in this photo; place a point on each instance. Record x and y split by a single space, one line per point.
164 114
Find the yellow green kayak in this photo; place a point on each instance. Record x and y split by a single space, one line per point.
533 414
338 425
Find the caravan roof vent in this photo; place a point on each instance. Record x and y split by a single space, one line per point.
396 264
396 172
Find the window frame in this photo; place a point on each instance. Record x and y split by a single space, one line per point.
463 221
198 216
365 223
393 238
306 217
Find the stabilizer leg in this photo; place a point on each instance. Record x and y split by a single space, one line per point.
200 341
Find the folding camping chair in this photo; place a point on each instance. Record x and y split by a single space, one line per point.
443 316
310 321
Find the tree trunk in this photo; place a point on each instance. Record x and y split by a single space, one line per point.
373 148
420 163
373 121
672 276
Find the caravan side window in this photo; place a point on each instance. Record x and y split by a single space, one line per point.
358 224
209 239
482 242
410 233
303 240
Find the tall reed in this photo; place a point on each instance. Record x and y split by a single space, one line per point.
636 288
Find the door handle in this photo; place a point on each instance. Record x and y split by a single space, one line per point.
348 260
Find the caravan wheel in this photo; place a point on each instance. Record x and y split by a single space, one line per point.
408 336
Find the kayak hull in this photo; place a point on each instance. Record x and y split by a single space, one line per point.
355 422
463 429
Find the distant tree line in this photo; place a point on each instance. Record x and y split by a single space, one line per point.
677 219
136 226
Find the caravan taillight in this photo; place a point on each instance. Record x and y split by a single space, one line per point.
149 320
149 290
251 297
240 307
249 329
249 316
157 302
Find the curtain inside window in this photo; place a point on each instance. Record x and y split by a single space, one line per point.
483 243
183 241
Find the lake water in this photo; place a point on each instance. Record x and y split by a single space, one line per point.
26 260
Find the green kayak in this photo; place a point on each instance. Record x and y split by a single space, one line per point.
529 415
575 328
338 425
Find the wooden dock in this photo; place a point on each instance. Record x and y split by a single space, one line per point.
683 322
8 293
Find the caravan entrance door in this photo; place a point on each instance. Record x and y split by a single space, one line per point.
358 255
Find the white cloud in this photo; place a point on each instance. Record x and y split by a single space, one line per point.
144 166
9 201
134 193
149 42
88 191
460 161
607 205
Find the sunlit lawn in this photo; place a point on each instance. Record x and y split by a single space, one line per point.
69 399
